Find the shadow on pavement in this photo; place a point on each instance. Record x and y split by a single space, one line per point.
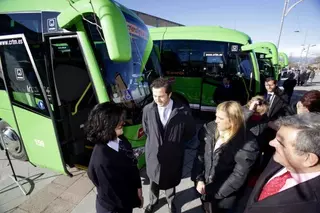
23 180
184 197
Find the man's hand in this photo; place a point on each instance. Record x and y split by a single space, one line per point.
201 187
140 196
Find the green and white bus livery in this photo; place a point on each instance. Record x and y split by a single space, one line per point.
59 59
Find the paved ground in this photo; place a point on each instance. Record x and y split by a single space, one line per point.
53 193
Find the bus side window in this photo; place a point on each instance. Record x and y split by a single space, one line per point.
22 83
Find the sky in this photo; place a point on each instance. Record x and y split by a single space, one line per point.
260 19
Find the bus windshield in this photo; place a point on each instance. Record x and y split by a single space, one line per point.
128 83
265 66
195 58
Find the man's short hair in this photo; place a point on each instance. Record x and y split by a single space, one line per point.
308 138
162 82
271 79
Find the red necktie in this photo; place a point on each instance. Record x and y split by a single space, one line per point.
274 186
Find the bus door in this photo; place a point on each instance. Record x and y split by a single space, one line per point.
30 104
212 76
75 96
241 71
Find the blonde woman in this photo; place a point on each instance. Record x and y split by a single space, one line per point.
225 158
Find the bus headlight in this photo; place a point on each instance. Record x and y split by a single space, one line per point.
138 152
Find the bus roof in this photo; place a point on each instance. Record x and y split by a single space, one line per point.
208 33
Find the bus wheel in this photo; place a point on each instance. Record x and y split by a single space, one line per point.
12 142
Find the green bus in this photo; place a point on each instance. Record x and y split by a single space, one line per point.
268 59
60 58
283 60
197 58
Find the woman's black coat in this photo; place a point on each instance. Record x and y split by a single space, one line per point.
224 170
116 176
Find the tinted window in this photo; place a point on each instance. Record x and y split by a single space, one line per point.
187 57
194 58
127 82
266 68
122 78
29 24
22 83
70 73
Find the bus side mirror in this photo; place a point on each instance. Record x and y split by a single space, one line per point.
113 24
248 47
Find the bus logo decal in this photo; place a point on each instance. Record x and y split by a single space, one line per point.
52 24
19 74
234 48
39 142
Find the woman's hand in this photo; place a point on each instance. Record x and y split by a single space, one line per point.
201 187
140 196
253 105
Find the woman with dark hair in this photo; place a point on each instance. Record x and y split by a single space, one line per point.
309 102
113 167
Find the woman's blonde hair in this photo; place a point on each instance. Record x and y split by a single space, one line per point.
262 108
235 115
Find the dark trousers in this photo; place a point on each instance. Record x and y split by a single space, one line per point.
154 194
101 209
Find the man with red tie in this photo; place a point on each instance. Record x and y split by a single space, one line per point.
291 181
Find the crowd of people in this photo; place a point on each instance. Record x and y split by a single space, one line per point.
268 145
302 76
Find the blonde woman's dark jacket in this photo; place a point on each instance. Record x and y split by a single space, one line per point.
224 170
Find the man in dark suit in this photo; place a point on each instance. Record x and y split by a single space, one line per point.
276 98
291 181
278 102
168 124
224 92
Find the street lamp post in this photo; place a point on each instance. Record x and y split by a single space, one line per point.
303 45
285 12
310 45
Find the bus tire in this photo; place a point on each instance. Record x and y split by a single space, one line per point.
12 142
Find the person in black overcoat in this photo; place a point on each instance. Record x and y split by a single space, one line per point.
168 125
113 166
